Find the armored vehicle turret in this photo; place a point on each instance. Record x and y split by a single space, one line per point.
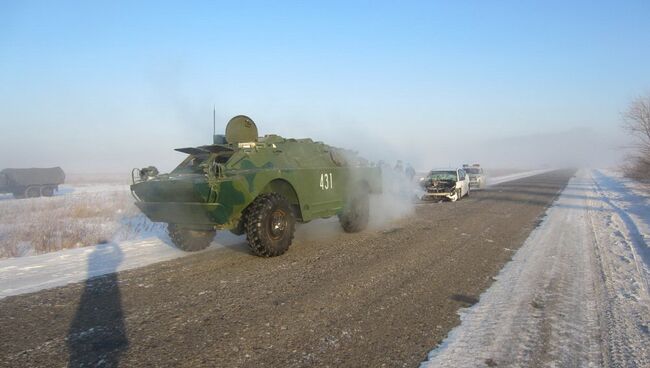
258 186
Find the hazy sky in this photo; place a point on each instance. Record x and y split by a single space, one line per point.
105 86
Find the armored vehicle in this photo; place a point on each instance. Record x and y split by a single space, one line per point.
31 183
451 184
258 186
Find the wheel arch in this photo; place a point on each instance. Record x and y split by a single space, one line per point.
287 190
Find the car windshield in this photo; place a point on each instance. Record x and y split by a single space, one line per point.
442 175
473 170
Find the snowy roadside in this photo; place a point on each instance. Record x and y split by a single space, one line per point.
28 274
75 217
574 295
32 273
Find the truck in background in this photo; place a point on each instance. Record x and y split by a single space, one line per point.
31 183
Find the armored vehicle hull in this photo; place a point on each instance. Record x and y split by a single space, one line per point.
259 187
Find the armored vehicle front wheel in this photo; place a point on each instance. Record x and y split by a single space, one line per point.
270 224
355 215
190 240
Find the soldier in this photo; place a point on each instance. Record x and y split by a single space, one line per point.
398 167
409 172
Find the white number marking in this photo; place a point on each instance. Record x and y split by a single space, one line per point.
326 181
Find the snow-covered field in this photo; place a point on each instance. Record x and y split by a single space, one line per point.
575 294
75 217
145 243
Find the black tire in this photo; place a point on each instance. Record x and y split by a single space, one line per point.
47 191
468 191
356 213
33 192
270 224
190 240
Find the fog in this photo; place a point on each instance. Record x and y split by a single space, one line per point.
96 149
101 88
427 148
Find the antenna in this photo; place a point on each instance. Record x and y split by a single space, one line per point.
214 120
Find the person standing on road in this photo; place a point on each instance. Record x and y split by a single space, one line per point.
399 167
409 172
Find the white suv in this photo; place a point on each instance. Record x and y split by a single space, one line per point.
477 177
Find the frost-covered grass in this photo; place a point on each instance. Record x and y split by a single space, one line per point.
79 216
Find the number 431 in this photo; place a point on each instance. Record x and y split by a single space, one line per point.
326 181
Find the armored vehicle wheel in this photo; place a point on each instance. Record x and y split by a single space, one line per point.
270 224
32 192
190 240
354 217
47 191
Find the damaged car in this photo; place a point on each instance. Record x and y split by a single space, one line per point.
449 184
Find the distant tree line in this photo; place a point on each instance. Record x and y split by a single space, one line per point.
636 121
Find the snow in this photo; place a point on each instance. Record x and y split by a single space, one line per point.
80 189
37 272
575 294
77 216
28 274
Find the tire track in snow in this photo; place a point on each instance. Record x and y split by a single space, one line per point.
624 309
634 239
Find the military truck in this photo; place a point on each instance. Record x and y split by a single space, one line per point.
258 186
31 183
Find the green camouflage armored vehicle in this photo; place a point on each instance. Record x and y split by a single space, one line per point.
256 186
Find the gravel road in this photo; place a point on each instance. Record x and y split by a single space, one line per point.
379 298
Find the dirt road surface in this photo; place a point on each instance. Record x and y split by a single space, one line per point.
381 298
